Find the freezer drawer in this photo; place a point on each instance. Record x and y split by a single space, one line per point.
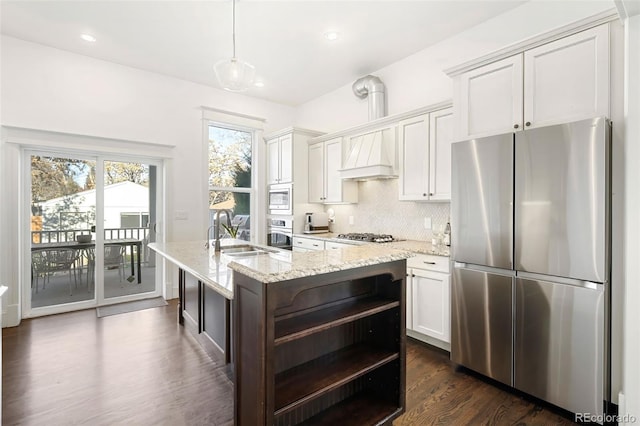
559 341
482 201
481 322
561 195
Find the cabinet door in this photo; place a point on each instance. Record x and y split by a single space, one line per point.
440 138
191 303
316 173
568 79
414 158
273 161
430 295
286 159
491 99
409 301
332 165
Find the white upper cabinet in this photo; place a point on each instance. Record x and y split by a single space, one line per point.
414 158
568 79
491 98
280 159
560 81
316 173
425 156
440 138
325 183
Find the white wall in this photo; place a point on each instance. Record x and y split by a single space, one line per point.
50 89
631 380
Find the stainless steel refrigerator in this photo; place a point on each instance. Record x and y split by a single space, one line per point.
530 216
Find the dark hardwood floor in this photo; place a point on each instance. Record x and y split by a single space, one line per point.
141 368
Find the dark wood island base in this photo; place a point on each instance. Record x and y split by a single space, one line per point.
323 349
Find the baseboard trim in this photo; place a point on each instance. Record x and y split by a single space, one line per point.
11 316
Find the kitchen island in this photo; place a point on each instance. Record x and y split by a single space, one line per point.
317 337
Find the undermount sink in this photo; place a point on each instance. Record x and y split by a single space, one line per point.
244 250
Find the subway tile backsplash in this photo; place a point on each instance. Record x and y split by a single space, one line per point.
379 211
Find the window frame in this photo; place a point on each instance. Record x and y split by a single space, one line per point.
237 121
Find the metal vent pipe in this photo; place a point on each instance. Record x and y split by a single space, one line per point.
372 86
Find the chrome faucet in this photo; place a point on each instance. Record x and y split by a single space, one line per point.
228 214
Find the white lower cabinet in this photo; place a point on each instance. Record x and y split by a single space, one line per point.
428 300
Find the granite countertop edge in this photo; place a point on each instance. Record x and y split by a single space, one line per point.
207 280
324 265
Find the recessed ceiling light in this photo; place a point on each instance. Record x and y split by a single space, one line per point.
331 35
88 37
259 83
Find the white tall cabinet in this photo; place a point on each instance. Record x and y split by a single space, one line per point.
425 156
325 184
560 81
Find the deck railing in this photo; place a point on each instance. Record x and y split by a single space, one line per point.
64 235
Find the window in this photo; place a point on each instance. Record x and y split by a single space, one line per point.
230 182
134 220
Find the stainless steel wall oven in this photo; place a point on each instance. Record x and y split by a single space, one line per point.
280 233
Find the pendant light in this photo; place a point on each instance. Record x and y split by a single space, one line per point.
234 75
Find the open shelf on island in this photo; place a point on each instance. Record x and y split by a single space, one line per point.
360 409
313 379
303 325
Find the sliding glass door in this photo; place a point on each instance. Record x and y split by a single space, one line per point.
90 221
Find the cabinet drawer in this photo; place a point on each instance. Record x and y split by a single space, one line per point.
308 243
431 263
330 245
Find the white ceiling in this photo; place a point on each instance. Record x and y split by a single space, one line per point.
282 39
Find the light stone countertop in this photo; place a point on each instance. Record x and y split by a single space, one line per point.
215 269
415 246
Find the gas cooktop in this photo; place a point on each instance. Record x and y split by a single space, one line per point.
368 237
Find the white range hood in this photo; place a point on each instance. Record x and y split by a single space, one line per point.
371 156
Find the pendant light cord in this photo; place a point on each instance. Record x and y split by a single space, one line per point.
234 29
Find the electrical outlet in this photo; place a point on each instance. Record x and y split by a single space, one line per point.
350 220
427 223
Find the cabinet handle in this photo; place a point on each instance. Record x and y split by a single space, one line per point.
413 275
429 263
315 245
515 126
528 123
431 194
424 195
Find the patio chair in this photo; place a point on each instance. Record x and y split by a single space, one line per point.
114 257
49 261
90 254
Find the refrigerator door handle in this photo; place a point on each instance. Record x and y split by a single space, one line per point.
561 280
482 268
